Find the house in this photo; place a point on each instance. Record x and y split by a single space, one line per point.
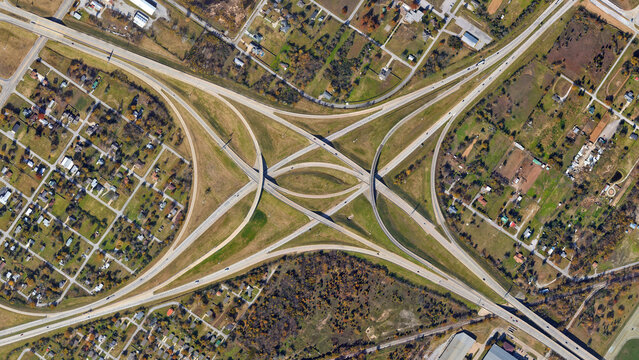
413 16
138 316
96 5
77 15
633 136
383 74
326 95
411 58
284 66
452 210
256 49
519 258
527 233
15 128
238 62
629 96
482 201
285 26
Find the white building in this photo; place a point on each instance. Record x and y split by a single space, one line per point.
148 6
67 163
5 195
140 19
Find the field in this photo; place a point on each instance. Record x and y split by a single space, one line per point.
626 4
276 140
271 221
43 8
409 39
338 7
16 43
587 56
225 15
316 181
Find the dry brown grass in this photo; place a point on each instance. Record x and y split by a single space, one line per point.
218 177
14 45
316 181
9 319
276 140
223 121
324 126
43 8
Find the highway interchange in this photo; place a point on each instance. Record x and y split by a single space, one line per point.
488 71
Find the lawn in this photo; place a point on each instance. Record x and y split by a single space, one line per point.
629 350
407 232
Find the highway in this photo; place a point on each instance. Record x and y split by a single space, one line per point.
80 41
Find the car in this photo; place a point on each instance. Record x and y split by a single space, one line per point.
227 269
197 281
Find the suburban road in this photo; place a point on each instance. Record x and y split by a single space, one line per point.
68 36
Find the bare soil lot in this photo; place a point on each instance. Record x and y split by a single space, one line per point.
494 6
519 169
587 48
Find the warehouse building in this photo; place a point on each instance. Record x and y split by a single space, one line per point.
148 6
458 346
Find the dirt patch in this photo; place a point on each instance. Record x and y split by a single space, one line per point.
520 169
509 167
586 49
469 148
494 6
